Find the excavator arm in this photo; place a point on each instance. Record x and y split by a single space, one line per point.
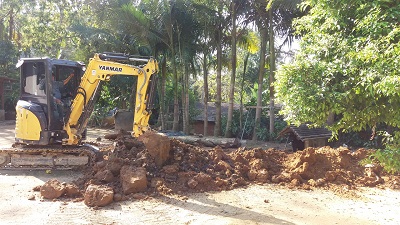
101 68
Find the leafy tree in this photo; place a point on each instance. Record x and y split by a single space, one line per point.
8 58
347 65
259 15
44 28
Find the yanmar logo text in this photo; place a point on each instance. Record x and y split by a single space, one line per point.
111 68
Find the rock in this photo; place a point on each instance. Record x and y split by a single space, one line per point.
52 189
104 175
156 182
276 179
252 174
220 182
370 181
111 136
192 183
237 158
71 190
139 196
370 170
203 178
360 153
295 182
331 175
218 154
99 165
238 181
36 188
257 164
158 146
98 195
223 166
117 197
31 197
307 155
171 168
133 179
262 176
114 166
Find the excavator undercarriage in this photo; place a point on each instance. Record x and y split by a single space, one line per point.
49 157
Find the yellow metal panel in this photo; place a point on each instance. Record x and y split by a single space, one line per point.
27 126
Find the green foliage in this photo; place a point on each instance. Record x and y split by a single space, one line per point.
8 59
98 114
263 133
388 158
46 28
347 65
169 102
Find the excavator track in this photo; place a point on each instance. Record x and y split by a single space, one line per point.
39 157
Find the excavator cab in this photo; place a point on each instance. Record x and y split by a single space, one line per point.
40 119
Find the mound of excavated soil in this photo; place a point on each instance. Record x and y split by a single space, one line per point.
131 169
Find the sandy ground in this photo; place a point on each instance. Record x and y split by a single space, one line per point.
256 204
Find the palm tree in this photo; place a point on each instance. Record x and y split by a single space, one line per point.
210 15
277 20
259 15
156 22
219 26
188 33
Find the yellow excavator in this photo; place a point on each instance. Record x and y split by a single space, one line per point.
56 100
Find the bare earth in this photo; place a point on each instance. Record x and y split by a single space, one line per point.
256 204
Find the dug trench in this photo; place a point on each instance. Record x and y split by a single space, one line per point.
155 165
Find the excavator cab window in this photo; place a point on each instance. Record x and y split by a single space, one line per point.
32 75
61 74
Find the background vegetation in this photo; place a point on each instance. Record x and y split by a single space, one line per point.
345 70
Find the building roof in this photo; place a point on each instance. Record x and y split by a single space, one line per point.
303 132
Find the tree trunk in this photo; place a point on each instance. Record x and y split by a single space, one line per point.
271 75
205 77
175 124
162 95
11 25
186 126
218 123
228 130
241 91
1 31
207 141
261 74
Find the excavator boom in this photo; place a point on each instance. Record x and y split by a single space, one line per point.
101 68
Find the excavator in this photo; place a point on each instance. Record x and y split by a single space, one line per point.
47 137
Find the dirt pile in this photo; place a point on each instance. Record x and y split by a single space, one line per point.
318 167
131 169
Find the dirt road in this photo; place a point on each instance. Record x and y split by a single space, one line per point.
256 204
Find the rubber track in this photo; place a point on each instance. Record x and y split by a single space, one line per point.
48 150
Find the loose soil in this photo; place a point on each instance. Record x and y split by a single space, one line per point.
195 185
